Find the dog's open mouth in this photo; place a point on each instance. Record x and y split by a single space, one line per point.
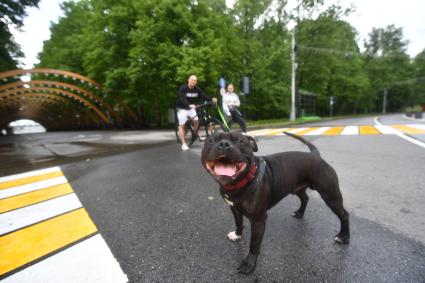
224 166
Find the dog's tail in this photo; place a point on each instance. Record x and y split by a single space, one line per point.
311 146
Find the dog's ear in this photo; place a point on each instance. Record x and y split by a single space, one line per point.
253 143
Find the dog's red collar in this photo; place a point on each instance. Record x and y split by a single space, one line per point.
244 181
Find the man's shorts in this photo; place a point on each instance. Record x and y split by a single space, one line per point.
184 114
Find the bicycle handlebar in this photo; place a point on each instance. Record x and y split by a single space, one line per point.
205 104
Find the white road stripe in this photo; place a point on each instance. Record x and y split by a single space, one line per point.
417 126
387 130
17 190
269 132
259 132
295 130
318 131
29 174
88 261
350 130
402 135
16 219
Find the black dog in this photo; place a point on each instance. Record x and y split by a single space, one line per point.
251 184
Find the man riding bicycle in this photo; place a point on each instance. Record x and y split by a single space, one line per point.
186 108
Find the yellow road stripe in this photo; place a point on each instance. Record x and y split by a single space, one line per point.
28 180
308 130
368 130
333 131
408 130
23 246
18 201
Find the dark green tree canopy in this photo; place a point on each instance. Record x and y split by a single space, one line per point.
142 51
12 12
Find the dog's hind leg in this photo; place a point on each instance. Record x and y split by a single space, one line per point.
301 193
334 202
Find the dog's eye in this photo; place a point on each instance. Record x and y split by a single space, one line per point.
239 141
212 140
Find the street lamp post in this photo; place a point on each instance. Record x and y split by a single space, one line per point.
384 102
293 67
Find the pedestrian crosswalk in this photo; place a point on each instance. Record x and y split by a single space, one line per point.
46 235
344 130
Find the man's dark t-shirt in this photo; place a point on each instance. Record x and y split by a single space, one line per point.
189 96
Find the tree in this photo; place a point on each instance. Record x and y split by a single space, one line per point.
388 64
418 96
11 13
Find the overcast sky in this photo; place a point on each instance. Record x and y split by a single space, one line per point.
407 14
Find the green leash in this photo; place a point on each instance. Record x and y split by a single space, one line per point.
223 119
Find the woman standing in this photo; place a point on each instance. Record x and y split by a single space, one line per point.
231 103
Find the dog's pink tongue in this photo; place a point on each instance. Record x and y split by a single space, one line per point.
225 169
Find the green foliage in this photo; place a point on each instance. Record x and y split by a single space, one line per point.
141 51
12 12
388 66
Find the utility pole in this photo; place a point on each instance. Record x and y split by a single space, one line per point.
384 102
294 67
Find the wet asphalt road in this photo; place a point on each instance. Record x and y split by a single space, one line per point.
163 218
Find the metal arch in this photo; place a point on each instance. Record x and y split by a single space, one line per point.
36 102
65 85
36 106
58 91
46 96
22 72
117 115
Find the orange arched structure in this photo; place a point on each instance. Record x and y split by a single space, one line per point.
65 100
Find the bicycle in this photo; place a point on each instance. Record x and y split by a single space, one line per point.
205 119
228 123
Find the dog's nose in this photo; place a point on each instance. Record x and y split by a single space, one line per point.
224 145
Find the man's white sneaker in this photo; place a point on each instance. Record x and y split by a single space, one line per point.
185 147
201 138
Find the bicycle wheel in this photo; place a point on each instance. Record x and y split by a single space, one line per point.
189 134
213 125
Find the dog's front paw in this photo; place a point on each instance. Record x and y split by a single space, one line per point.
342 239
248 264
298 214
232 236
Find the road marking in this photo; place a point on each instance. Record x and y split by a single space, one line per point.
318 131
387 130
295 130
306 131
16 219
368 130
22 200
260 132
419 126
29 174
347 130
271 132
350 130
25 245
13 191
28 180
66 267
402 135
36 220
408 129
333 131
